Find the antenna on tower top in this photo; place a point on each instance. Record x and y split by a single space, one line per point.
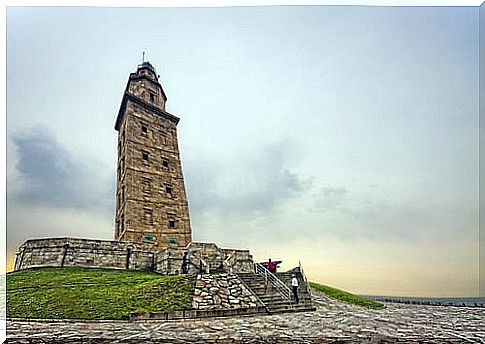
143 57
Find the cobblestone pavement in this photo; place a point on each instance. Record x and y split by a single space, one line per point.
333 322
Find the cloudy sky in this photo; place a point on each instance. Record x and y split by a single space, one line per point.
344 137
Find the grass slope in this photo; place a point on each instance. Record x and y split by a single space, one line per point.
86 293
346 297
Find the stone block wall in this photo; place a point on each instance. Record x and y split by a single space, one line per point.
213 258
169 261
238 260
84 252
222 291
151 199
126 255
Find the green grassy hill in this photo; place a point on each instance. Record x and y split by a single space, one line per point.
86 293
344 296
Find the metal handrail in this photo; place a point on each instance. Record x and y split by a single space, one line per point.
269 276
304 278
254 294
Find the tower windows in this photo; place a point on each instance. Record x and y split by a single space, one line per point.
145 155
168 189
172 240
165 162
148 237
153 97
145 185
163 137
144 129
171 220
148 216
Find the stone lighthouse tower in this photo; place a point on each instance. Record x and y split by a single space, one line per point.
151 202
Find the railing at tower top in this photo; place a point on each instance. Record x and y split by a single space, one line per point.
275 281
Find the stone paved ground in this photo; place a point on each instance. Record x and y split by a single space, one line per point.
333 322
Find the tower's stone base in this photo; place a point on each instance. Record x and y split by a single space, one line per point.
200 257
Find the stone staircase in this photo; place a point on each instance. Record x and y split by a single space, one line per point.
303 288
272 298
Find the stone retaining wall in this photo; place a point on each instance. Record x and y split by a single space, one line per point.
52 252
222 291
169 261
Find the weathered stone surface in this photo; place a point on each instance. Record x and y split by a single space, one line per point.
333 322
217 300
122 255
233 295
151 202
84 252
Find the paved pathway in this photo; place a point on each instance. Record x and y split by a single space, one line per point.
333 322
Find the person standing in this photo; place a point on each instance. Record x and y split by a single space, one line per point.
271 266
185 264
294 288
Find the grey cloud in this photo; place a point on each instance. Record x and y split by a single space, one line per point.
254 185
329 198
50 175
352 215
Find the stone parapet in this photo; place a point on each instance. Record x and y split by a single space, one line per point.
238 260
169 261
52 252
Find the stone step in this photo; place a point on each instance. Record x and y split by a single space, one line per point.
293 306
264 289
272 297
284 302
282 299
256 285
271 304
259 286
291 310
